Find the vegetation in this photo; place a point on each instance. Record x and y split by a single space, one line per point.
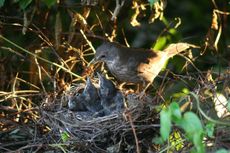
47 46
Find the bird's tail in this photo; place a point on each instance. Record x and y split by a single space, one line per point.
174 49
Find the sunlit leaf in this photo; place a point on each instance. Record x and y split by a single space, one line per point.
176 140
160 44
64 136
185 90
172 31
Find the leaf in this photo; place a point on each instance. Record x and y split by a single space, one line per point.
24 3
64 136
191 124
197 140
157 140
222 151
209 129
165 122
160 43
185 90
50 3
176 140
172 31
151 2
175 110
2 2
193 128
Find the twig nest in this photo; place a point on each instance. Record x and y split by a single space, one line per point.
103 129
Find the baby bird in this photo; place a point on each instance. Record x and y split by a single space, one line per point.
88 100
111 99
75 103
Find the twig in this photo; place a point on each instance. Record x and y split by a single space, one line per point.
203 113
43 59
89 43
134 132
39 73
117 9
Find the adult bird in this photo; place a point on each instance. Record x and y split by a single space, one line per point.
136 65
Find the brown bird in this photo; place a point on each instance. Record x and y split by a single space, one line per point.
136 65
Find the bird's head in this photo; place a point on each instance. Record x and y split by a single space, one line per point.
107 88
90 91
106 52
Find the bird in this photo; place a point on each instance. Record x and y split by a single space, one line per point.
88 100
135 65
75 103
111 98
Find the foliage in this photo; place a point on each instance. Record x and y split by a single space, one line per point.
189 122
25 3
2 2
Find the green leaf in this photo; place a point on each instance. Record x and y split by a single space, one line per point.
222 151
165 122
193 128
191 123
2 2
24 3
64 136
157 140
151 2
172 31
161 42
209 129
185 90
197 140
175 110
50 3
176 140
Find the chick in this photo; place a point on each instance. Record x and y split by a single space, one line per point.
88 100
112 100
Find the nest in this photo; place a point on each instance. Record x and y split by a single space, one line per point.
127 131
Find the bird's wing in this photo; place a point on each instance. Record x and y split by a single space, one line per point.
150 70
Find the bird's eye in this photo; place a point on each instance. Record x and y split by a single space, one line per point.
102 56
